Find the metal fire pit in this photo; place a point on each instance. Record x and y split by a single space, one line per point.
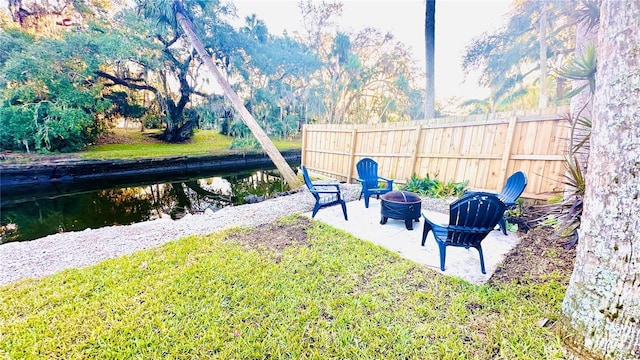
400 205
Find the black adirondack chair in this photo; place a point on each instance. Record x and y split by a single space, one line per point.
471 219
368 176
326 194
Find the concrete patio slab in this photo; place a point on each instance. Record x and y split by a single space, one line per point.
364 223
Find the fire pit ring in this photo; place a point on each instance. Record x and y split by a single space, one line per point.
400 205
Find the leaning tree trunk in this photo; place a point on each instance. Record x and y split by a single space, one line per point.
602 303
271 150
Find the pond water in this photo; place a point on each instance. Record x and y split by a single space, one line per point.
28 215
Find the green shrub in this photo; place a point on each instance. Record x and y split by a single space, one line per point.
45 127
245 143
434 187
50 101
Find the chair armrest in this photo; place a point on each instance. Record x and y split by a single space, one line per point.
337 186
385 179
439 231
329 188
434 225
337 192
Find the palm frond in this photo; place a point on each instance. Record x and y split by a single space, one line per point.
162 10
582 68
574 178
589 13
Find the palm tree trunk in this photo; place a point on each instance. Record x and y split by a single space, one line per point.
287 173
430 41
542 103
601 307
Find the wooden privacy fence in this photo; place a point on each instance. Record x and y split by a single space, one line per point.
484 150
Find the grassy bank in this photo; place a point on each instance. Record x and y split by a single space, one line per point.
131 144
236 295
128 144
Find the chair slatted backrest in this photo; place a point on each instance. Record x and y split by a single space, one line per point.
472 217
368 171
307 181
513 188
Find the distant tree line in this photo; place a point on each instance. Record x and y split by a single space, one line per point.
70 69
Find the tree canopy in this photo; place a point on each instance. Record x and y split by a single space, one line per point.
130 61
510 60
71 69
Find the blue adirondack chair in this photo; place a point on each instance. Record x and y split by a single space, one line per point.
471 219
513 188
326 194
368 177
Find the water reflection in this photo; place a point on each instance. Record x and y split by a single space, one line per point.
35 218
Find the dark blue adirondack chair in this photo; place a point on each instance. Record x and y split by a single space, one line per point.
326 194
513 188
370 181
471 219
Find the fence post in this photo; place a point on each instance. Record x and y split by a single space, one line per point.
414 155
303 154
352 154
506 153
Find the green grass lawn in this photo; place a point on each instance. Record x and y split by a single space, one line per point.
330 297
140 145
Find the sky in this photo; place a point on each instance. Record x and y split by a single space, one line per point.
457 23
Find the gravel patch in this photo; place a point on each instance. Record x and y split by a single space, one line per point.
54 253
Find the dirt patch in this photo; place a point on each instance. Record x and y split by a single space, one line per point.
126 136
274 237
539 254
